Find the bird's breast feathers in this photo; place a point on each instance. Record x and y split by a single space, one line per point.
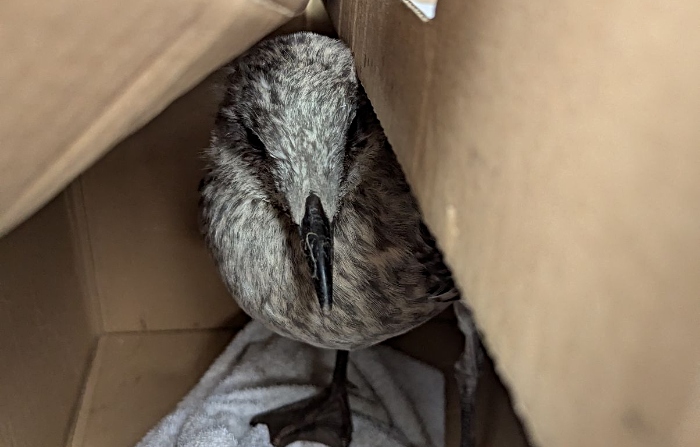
379 292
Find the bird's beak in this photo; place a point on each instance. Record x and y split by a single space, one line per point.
317 241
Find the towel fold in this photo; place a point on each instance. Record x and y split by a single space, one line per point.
396 401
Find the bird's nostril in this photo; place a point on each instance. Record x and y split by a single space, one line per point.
318 248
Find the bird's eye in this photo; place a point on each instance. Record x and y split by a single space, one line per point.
254 140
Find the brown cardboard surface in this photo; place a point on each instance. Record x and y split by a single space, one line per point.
47 334
138 378
151 268
554 150
78 76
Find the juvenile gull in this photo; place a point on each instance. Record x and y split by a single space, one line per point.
310 220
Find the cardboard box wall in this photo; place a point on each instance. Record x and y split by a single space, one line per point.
555 150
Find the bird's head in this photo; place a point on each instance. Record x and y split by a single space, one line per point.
290 117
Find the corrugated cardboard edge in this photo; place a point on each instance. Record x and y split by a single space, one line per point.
416 10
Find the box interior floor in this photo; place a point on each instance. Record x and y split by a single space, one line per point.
111 310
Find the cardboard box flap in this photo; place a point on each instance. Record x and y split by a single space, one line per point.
78 76
554 150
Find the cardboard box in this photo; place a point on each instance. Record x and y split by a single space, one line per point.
554 148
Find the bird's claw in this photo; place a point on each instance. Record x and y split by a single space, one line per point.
324 418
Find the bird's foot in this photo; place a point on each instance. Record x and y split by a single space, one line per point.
323 418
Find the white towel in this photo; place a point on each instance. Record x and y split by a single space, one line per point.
395 400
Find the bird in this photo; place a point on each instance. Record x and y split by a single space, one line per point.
310 219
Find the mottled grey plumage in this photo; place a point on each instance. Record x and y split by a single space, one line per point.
295 121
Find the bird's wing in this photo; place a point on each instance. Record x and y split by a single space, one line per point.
440 284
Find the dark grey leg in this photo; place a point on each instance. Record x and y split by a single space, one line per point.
324 418
467 373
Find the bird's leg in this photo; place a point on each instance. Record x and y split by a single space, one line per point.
323 418
468 372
